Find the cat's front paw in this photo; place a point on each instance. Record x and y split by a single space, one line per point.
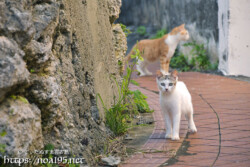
168 136
175 138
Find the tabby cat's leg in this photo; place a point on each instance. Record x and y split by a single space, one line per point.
164 65
148 72
146 69
141 68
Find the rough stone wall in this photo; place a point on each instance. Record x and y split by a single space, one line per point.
55 56
200 17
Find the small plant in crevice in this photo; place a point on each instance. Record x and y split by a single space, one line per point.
2 151
46 154
21 98
32 70
2 148
125 29
159 33
127 103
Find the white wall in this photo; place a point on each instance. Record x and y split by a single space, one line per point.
223 24
239 38
234 37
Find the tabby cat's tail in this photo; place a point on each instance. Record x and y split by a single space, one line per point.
128 57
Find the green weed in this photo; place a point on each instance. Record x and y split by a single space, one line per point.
125 29
134 82
215 65
159 34
127 103
13 97
141 30
180 61
115 119
199 59
49 147
21 98
3 133
2 146
139 100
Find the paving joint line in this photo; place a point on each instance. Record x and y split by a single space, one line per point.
218 119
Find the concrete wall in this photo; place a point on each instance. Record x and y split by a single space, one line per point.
171 13
223 15
239 38
234 37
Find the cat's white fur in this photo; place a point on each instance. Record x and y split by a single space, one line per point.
141 67
172 41
176 100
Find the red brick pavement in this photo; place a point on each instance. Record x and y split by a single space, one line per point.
228 97
157 149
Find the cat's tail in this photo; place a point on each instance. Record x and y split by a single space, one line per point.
128 57
132 51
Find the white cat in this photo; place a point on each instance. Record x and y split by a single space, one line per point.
175 100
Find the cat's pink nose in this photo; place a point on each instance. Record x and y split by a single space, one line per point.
166 89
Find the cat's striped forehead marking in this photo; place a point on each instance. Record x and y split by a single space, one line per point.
167 77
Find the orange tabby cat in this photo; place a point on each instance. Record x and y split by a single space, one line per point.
159 49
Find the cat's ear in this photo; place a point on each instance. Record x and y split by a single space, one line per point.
174 74
181 27
159 74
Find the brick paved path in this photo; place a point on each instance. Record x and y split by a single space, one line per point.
229 98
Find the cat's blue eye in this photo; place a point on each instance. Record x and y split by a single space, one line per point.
170 84
162 84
